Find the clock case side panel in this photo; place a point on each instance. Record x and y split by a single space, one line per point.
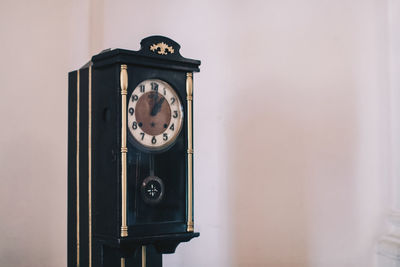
78 171
84 166
71 217
106 148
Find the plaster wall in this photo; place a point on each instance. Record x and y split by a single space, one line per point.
292 124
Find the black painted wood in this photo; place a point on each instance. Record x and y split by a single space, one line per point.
83 167
71 220
160 227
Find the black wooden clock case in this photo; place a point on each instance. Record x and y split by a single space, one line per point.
98 159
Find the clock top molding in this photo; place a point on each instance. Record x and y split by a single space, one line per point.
156 51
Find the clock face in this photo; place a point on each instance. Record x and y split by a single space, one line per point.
155 114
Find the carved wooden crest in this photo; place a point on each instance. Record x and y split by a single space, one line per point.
162 48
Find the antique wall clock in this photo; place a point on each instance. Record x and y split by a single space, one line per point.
130 156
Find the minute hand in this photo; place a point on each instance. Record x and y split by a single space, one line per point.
156 107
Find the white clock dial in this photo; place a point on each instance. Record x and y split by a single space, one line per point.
155 114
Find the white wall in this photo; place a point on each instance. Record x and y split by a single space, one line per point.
291 122
40 42
394 34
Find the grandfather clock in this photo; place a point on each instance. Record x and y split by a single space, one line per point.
130 156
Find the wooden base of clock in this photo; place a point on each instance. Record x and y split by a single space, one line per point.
135 250
164 244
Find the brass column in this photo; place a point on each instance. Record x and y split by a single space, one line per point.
90 163
189 99
77 169
124 149
144 256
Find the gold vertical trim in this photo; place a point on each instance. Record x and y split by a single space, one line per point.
124 149
77 168
122 262
189 98
90 164
144 256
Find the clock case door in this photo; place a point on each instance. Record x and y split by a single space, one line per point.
168 216
163 224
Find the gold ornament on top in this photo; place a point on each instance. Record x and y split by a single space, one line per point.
162 48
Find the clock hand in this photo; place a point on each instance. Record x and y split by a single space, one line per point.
159 104
157 107
153 111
